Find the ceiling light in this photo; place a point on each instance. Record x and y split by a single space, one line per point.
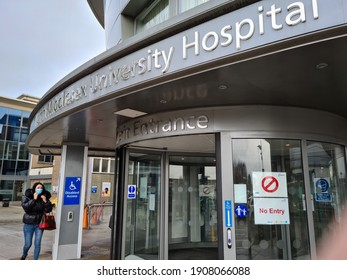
130 113
321 65
223 87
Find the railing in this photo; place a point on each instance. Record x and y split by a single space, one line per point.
98 212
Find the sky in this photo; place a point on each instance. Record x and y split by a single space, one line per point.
44 40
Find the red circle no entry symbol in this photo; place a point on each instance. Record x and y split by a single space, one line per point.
269 184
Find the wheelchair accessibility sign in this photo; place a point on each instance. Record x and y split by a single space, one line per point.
322 189
72 190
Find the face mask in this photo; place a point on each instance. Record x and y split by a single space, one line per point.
38 191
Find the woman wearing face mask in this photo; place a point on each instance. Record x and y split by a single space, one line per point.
35 202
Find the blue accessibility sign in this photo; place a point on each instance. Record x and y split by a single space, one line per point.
131 191
228 213
72 190
241 211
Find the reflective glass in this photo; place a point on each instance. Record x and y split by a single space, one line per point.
327 168
9 167
143 206
14 117
153 16
185 5
11 150
25 119
23 152
192 208
22 168
24 132
3 115
269 225
12 133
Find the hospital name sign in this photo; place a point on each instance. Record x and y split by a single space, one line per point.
238 31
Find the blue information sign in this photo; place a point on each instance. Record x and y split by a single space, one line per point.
131 191
228 213
323 194
241 211
72 190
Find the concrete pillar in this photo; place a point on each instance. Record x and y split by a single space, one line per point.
71 196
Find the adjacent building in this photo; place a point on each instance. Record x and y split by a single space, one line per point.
14 156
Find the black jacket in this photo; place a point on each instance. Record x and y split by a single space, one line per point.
34 209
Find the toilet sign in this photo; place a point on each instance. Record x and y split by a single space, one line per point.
269 184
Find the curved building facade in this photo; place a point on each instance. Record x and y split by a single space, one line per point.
227 121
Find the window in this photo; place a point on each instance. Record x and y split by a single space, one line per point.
14 117
23 152
103 165
46 159
157 13
185 5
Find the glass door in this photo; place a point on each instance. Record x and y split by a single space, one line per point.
274 218
143 195
328 188
269 197
192 208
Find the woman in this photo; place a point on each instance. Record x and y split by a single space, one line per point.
35 202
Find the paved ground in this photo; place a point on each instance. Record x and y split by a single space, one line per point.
95 241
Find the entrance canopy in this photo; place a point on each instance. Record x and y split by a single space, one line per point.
300 64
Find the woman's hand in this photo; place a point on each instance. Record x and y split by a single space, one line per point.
44 198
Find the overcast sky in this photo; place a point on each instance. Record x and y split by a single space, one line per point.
44 40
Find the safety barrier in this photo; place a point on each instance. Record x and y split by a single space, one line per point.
94 213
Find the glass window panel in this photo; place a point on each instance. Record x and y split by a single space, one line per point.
22 168
104 167
2 149
3 131
112 166
23 134
185 5
14 117
192 208
23 152
327 168
3 115
25 119
12 133
96 165
274 239
6 189
11 150
8 167
156 14
45 159
143 209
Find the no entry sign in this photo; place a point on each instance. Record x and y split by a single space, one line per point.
269 184
271 211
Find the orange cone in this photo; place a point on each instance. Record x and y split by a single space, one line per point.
85 217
